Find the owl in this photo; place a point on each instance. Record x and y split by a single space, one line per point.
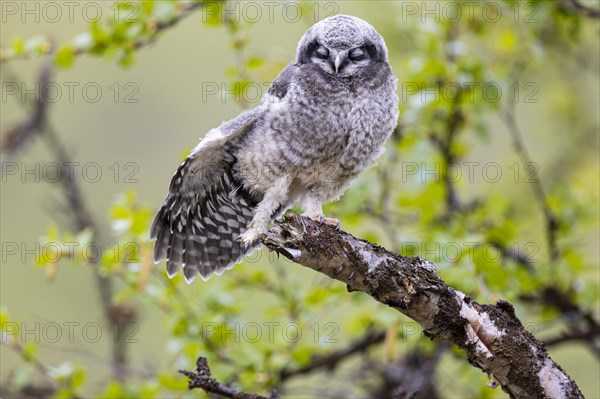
324 119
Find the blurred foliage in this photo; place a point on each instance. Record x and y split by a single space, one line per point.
257 319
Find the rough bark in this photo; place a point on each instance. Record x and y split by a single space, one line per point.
492 336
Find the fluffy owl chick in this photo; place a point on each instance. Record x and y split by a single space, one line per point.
324 119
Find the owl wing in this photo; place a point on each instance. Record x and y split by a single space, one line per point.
206 208
205 165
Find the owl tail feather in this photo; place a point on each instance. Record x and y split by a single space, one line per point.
200 232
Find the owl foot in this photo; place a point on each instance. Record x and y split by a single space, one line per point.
327 221
250 237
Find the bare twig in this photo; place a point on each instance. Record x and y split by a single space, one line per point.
20 135
491 335
387 179
584 336
579 7
515 255
581 324
202 379
161 26
331 361
444 146
552 222
453 124
413 376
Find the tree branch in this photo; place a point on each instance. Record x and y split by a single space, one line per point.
491 335
203 380
155 29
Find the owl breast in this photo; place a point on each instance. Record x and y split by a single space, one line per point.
340 122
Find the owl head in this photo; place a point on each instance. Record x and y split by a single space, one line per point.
341 45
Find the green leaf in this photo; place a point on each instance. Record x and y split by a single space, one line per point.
302 354
4 318
77 378
172 382
29 351
213 12
147 6
254 62
113 390
100 36
316 296
126 57
150 390
63 394
65 57
18 45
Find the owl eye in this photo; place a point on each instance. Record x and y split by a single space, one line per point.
357 54
322 52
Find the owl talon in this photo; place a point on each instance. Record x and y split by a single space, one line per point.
304 230
322 220
250 237
331 222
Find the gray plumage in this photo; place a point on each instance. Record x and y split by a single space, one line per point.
324 120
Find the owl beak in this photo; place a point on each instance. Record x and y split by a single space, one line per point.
339 60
